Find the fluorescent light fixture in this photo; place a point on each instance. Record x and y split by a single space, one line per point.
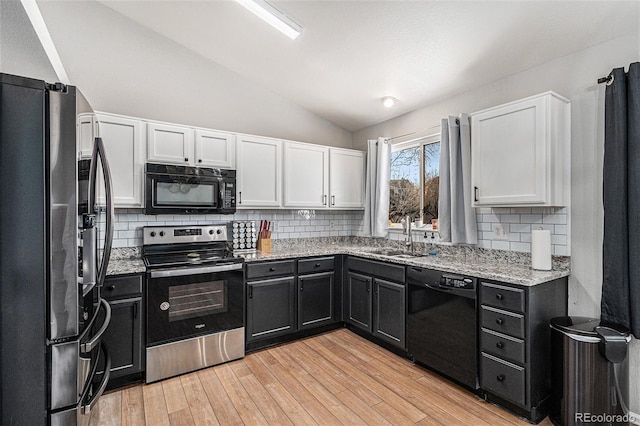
388 101
273 17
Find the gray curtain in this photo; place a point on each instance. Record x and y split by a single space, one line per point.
376 208
456 217
621 198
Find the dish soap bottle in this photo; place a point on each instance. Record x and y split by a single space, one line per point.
433 250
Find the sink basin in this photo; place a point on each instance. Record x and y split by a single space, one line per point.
396 253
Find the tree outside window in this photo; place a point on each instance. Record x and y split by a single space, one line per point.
414 184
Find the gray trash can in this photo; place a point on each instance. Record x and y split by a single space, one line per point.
590 380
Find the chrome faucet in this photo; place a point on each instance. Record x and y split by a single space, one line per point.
406 230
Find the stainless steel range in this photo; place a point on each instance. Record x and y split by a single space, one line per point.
195 294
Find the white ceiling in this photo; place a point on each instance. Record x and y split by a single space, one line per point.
352 53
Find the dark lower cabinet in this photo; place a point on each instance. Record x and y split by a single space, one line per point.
124 337
359 300
390 311
271 308
315 300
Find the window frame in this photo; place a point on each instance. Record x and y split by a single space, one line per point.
416 142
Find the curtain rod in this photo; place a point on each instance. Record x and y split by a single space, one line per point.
608 79
413 133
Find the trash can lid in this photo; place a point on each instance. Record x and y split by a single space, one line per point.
583 326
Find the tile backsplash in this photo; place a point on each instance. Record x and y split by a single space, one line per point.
516 225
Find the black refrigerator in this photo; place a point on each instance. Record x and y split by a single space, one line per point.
53 364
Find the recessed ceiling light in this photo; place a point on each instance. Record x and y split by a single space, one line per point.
273 17
388 101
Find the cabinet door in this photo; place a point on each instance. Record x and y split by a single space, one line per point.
306 175
359 300
124 142
347 172
270 308
124 337
509 154
315 299
215 149
169 144
85 130
389 312
259 172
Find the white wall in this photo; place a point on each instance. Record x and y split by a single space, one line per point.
20 50
573 76
129 69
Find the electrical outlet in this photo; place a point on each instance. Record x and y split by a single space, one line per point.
274 226
332 224
500 232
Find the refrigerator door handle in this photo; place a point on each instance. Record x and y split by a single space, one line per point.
100 151
95 340
86 407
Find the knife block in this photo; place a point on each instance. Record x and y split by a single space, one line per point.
264 245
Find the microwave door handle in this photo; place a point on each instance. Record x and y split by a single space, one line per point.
106 254
95 340
86 407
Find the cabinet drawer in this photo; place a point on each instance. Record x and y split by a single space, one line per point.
119 286
502 345
270 269
502 321
378 269
502 297
503 378
318 264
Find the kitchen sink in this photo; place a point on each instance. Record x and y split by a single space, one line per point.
396 253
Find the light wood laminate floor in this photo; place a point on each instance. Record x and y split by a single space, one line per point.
330 379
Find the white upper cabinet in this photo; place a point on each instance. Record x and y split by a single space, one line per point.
215 149
346 183
169 144
306 175
520 153
124 144
259 172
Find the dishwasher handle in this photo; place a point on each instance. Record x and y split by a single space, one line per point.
467 293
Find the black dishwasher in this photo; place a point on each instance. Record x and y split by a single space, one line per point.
442 323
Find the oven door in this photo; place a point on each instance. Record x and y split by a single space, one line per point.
181 194
189 302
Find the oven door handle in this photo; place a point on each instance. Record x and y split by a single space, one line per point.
163 273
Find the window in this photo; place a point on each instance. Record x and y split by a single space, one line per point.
415 180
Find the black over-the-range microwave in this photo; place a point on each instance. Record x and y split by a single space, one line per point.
189 190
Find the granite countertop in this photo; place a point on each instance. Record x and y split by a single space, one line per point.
511 267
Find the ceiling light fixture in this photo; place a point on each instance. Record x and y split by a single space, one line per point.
388 101
273 17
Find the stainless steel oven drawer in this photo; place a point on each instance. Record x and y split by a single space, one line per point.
271 269
503 378
502 345
502 297
317 264
502 321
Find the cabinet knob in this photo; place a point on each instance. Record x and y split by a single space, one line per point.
499 321
500 345
500 377
317 265
499 296
200 160
111 287
272 269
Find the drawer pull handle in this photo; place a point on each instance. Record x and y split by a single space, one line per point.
499 321
500 378
317 265
111 287
500 345
272 269
499 296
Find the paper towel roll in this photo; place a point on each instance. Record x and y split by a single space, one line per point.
541 249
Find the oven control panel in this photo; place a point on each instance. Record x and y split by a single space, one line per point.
183 234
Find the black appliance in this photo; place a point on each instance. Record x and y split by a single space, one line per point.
195 299
53 361
189 190
442 323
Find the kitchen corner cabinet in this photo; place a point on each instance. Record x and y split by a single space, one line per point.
520 153
124 336
346 178
375 296
259 172
124 140
515 353
306 175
